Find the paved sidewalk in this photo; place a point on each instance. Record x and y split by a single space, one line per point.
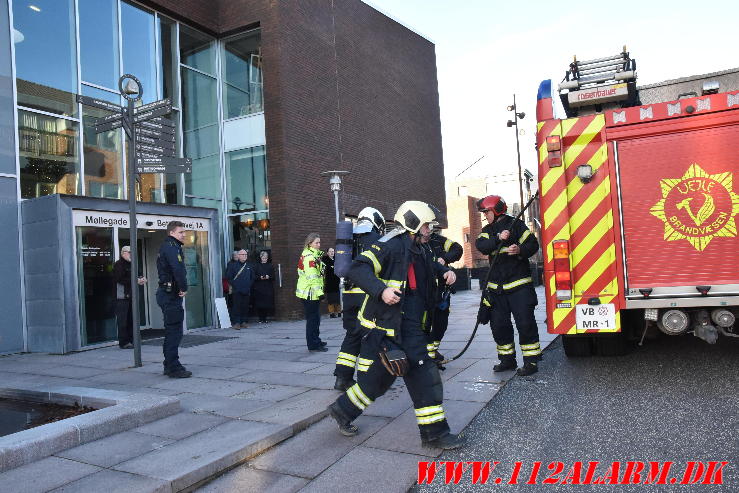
247 394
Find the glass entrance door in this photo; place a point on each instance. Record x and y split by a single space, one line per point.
95 257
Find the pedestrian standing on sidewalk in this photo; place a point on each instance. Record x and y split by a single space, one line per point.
171 293
310 290
241 278
263 290
123 315
331 285
227 290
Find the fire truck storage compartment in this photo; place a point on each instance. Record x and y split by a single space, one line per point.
678 201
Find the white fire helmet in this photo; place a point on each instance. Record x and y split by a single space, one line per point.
368 219
413 214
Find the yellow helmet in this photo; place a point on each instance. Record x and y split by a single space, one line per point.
413 214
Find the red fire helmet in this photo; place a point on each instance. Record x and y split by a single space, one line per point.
493 203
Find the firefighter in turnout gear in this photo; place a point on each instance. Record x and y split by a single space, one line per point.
370 226
510 288
399 276
446 252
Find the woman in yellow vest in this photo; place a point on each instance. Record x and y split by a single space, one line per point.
310 290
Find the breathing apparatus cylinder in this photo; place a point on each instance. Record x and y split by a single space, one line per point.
344 247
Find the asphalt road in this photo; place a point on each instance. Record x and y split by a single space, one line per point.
674 399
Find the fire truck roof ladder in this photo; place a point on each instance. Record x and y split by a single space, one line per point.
594 83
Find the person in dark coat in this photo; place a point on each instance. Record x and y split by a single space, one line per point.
227 291
123 314
331 285
240 276
263 290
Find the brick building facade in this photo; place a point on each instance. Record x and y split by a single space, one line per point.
345 87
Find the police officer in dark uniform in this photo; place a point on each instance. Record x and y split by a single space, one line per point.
172 290
370 226
510 288
446 252
399 276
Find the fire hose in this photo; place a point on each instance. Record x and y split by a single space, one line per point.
485 288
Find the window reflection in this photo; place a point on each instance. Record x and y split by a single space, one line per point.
137 28
251 232
103 151
168 68
49 161
246 180
99 42
197 50
45 55
242 75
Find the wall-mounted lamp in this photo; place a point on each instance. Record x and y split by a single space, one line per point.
585 173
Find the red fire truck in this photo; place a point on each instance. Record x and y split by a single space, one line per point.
638 206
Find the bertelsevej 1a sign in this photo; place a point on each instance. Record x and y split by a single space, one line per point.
102 219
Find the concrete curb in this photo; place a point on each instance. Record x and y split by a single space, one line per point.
116 412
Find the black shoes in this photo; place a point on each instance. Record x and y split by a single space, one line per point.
319 349
343 383
504 366
127 346
446 442
180 372
324 344
527 369
346 428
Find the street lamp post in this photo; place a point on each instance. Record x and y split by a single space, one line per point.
514 123
335 184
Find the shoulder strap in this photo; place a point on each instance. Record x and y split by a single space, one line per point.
392 234
239 272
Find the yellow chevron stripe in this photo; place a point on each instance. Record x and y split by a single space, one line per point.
572 330
591 131
591 203
593 236
596 162
567 125
596 270
556 208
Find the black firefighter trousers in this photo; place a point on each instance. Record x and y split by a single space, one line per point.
422 380
351 345
519 303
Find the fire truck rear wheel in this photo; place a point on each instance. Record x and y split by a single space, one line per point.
577 346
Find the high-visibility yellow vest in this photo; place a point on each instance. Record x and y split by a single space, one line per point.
310 275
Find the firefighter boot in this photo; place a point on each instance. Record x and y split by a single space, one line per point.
346 427
343 383
529 368
447 441
506 363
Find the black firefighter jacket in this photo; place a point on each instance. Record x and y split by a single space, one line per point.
510 272
383 265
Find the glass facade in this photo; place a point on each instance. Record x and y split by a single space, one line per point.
242 75
68 47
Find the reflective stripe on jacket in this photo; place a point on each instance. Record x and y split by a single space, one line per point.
310 275
511 272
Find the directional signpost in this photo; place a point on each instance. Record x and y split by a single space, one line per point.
152 150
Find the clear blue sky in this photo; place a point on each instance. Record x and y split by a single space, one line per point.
487 50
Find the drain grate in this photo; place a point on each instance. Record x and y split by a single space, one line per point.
189 340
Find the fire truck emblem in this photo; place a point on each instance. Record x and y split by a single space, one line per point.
698 207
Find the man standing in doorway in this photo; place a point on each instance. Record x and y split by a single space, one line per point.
123 315
172 290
